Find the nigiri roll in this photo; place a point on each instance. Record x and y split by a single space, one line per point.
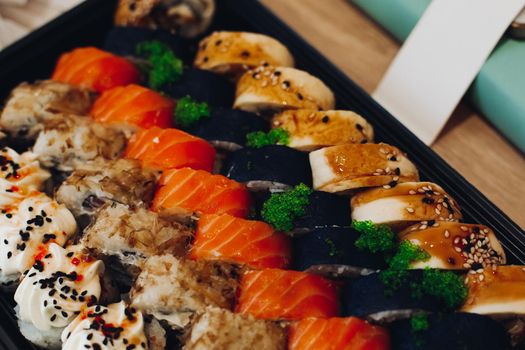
68 141
274 294
61 283
173 290
268 89
93 184
133 107
233 53
454 245
331 251
221 329
94 69
337 333
188 18
405 204
131 234
454 331
235 240
165 149
269 167
97 326
349 167
29 106
26 228
20 175
309 130
186 193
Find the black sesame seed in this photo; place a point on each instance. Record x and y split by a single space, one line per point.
245 54
393 159
70 254
300 96
218 42
54 317
397 171
359 127
51 293
9 216
427 200
392 184
64 314
325 119
89 336
30 208
9 255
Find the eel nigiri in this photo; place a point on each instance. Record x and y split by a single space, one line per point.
94 69
254 243
170 149
275 294
133 105
337 333
184 192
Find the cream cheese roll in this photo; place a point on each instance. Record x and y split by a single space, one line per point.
405 204
453 245
343 168
309 130
233 53
270 89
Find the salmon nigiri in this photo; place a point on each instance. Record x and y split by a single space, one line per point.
274 294
184 192
254 243
170 149
134 105
95 69
337 333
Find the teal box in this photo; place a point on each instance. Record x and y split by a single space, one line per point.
499 89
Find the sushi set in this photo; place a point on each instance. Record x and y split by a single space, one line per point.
192 175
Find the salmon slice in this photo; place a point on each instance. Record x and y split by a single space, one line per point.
183 192
135 105
336 333
275 294
170 149
95 69
254 243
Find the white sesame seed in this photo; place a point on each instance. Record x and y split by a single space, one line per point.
387 187
463 228
447 234
412 192
410 210
457 249
481 277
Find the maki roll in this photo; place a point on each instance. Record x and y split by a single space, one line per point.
59 286
233 53
189 18
68 142
221 329
454 245
27 227
331 251
254 244
455 331
93 184
274 294
269 89
323 210
29 106
185 194
173 290
97 326
309 130
345 168
94 69
269 167
406 204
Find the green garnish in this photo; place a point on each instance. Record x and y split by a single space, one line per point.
445 286
258 139
189 111
281 209
165 67
375 238
419 322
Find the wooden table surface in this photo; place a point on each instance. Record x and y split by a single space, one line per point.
363 50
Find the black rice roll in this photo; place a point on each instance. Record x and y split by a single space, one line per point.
268 168
455 331
203 86
331 251
123 41
227 128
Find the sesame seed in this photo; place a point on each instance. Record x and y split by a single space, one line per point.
410 210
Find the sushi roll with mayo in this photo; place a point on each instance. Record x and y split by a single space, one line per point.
93 184
309 130
349 167
267 89
30 105
233 53
174 290
405 204
67 142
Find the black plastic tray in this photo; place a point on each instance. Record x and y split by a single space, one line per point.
34 57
